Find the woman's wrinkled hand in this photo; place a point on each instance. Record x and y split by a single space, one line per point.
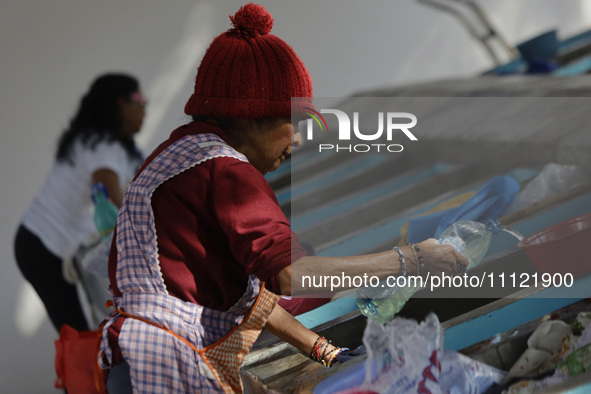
434 258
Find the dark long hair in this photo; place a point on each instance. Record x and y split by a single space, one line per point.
98 118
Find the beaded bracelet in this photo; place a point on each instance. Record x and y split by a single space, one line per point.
319 352
332 353
418 259
324 347
337 351
321 343
315 347
324 353
402 260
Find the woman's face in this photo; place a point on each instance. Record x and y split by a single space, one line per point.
268 143
132 111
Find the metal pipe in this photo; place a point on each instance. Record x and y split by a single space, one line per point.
484 39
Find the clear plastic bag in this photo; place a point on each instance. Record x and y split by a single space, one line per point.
93 255
404 356
461 374
552 180
91 265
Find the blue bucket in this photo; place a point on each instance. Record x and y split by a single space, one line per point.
541 47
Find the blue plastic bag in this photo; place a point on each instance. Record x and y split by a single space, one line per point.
488 203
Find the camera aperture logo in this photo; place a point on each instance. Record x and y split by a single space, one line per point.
395 122
316 116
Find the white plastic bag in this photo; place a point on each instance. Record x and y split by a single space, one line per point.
404 356
94 256
552 180
548 336
460 374
91 263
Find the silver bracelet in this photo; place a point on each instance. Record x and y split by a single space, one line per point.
402 260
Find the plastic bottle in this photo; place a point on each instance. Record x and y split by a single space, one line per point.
470 238
105 213
380 304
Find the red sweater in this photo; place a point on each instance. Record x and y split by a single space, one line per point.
216 224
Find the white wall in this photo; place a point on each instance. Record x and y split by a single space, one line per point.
51 50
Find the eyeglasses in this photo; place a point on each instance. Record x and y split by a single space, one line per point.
138 98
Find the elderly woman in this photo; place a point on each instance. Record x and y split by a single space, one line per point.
202 251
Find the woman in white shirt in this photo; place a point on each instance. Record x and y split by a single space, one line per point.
98 146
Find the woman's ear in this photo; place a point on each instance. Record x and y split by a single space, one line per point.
121 102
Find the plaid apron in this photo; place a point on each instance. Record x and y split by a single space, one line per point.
172 345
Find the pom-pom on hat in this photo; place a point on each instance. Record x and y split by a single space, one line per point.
248 73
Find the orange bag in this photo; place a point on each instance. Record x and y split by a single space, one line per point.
75 359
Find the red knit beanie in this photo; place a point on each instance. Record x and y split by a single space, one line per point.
248 73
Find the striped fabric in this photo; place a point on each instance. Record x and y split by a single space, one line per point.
159 361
